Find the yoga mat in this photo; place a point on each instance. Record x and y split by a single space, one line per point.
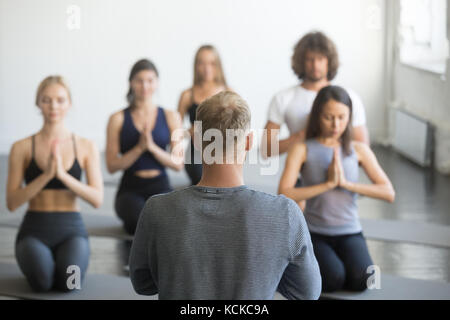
407 231
386 230
94 287
398 288
109 287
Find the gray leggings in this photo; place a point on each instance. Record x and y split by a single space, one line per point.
48 243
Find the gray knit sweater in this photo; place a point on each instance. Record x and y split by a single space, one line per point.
223 243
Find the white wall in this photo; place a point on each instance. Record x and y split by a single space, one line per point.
254 37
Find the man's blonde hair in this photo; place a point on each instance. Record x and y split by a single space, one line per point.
224 111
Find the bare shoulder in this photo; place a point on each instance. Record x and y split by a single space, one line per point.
173 117
22 147
117 115
362 150
185 98
298 150
116 119
187 93
300 147
86 148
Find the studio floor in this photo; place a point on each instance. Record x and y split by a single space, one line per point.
422 196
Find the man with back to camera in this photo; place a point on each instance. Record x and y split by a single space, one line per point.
220 239
315 62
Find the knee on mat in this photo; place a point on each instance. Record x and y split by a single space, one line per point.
357 283
66 281
130 227
40 282
333 281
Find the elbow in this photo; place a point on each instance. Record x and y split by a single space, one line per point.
97 204
284 191
177 164
110 168
391 196
10 205
145 291
179 167
98 201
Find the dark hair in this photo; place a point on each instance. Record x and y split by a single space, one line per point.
326 94
317 42
142 64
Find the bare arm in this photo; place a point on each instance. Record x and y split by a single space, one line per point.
270 139
183 105
381 187
16 195
294 161
91 192
115 161
361 134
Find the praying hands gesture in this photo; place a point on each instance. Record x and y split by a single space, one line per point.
146 142
55 167
336 174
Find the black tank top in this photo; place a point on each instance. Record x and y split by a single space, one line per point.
129 137
193 108
33 171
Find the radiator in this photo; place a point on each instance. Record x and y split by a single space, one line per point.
413 137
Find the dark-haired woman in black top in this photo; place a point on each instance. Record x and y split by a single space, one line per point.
209 79
52 241
137 139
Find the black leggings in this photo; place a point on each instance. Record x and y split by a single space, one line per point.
343 261
133 193
48 243
194 170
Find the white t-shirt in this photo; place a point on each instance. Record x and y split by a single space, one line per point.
293 105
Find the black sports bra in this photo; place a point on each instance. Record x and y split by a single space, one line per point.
33 171
192 108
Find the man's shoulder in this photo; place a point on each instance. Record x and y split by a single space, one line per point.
272 201
286 92
351 92
169 196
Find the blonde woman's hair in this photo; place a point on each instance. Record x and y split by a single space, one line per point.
220 76
52 80
225 110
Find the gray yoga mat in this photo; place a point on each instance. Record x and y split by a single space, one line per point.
94 287
407 231
109 287
102 225
398 288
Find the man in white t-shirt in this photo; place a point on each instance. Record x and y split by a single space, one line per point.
315 62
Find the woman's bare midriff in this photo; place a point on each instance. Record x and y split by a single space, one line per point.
53 201
147 174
